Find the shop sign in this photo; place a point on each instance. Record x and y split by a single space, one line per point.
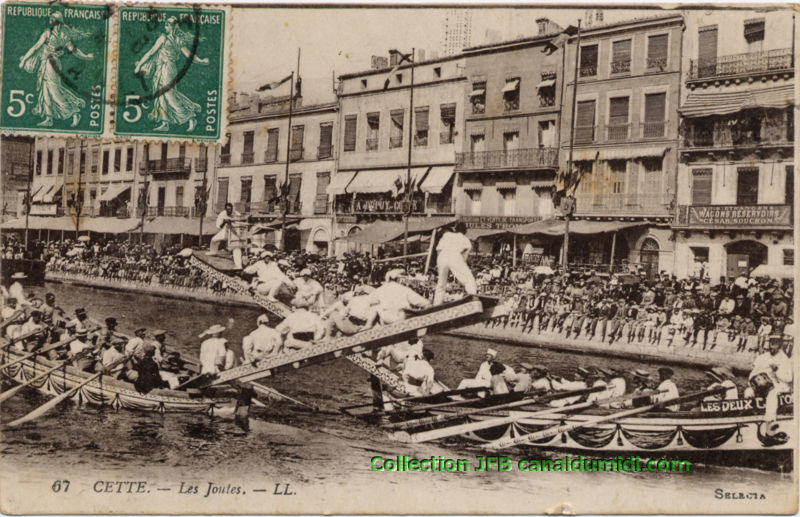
44 209
496 222
737 216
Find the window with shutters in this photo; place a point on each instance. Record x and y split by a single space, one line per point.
421 126
321 199
325 149
296 147
618 118
105 161
617 170
202 158
373 130
271 154
477 143
588 61
511 94
789 186
82 164
707 51
396 129
478 97
222 194
747 186
129 159
652 169
38 163
245 195
657 52
654 115
508 201
293 198
701 186
225 151
50 161
547 133
60 169
70 163
270 193
621 57
117 160
473 202
247 147
754 34
788 256
448 116
179 195
350 133
584 122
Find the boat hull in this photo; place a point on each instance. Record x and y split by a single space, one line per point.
107 391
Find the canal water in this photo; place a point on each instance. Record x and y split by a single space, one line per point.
326 449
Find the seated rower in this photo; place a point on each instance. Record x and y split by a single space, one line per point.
309 293
78 345
522 382
148 376
263 342
135 346
394 299
111 352
352 313
300 328
215 356
160 337
578 382
594 379
483 378
617 386
723 378
395 356
498 379
418 374
640 383
665 374
33 324
771 376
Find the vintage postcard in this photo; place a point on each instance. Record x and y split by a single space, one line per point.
397 259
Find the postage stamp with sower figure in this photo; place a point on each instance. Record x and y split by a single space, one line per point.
170 73
54 68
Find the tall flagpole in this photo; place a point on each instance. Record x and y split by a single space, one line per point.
79 196
407 211
145 193
28 200
202 207
569 206
285 186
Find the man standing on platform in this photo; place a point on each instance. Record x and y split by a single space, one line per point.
224 222
452 251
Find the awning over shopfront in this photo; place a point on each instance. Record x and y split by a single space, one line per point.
584 155
41 223
375 181
629 153
437 179
339 182
109 224
706 104
385 231
52 193
180 226
542 183
271 227
554 227
39 194
114 191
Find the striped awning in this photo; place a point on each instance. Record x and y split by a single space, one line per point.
629 153
338 184
706 104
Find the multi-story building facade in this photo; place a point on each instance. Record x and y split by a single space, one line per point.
373 160
252 167
509 157
107 180
735 191
625 138
16 163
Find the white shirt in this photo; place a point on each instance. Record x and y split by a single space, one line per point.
76 346
671 392
222 218
215 356
134 346
301 320
267 272
420 371
764 363
598 394
454 242
110 355
396 297
260 343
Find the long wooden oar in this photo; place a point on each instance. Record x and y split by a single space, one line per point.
42 350
435 434
426 407
269 392
553 431
22 338
423 398
13 391
47 406
14 318
435 419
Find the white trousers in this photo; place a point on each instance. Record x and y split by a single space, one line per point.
448 262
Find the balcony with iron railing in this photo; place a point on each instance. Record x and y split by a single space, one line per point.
733 132
547 100
588 71
248 158
372 144
620 67
654 129
617 132
321 205
585 134
656 64
169 166
751 63
168 211
623 204
324 152
535 158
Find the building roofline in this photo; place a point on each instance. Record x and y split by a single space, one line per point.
388 69
302 110
623 24
528 40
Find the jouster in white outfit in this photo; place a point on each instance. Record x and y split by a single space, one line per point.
223 235
778 367
452 251
215 356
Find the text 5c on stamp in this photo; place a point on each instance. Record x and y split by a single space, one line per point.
171 73
54 68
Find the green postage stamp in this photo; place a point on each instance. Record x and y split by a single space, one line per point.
168 68
54 68
170 73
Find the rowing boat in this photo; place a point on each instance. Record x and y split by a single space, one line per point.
112 392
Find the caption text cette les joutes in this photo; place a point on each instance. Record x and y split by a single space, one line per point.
505 464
